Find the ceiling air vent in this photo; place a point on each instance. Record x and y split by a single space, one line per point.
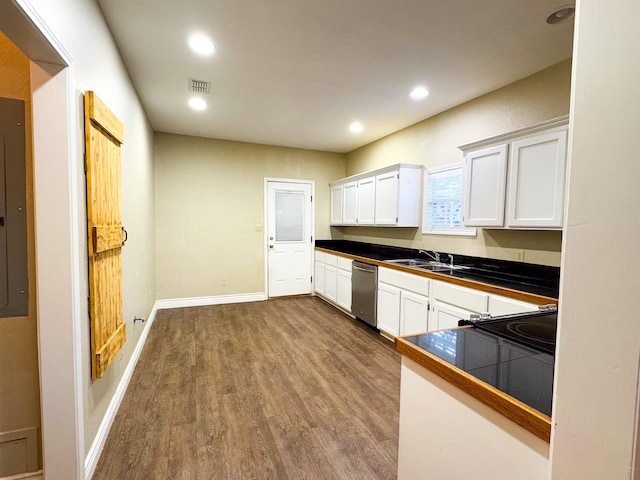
199 86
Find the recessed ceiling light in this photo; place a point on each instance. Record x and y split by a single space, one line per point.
561 15
419 92
197 103
356 127
201 44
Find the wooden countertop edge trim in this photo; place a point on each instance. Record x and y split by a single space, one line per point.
485 287
516 411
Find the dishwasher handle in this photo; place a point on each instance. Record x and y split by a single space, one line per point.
367 270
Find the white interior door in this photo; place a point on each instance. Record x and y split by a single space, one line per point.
289 238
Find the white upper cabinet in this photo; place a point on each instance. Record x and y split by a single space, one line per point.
390 196
366 200
350 203
485 187
536 181
517 180
387 198
336 204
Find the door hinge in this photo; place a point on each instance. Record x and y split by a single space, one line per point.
312 198
398 176
311 238
311 278
396 219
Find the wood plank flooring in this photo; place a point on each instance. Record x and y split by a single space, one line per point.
283 389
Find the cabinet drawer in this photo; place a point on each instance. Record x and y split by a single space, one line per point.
344 263
505 306
320 256
460 296
331 259
406 281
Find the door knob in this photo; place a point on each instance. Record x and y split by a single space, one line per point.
270 246
270 238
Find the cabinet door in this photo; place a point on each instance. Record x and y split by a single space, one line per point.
318 276
414 313
536 181
366 201
445 316
344 289
485 184
387 198
331 283
389 309
336 204
350 203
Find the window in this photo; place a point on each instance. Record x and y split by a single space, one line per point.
442 209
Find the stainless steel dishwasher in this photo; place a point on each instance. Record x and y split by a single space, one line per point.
364 287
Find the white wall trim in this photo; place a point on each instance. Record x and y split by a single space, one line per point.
91 460
214 300
38 475
30 12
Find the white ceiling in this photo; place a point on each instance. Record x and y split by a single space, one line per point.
297 72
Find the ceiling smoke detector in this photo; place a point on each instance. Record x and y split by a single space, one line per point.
561 15
199 86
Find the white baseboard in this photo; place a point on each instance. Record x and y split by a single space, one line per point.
91 460
38 475
217 300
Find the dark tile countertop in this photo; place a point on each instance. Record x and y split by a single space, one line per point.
513 379
526 277
514 369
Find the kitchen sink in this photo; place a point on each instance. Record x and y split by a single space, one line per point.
410 262
430 265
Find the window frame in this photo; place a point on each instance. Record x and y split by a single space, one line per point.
448 170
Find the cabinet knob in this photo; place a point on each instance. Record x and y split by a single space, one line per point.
270 246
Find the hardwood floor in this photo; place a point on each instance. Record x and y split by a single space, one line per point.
284 389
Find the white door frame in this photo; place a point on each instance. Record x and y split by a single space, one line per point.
57 242
265 243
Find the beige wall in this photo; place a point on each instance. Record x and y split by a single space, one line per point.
19 387
82 31
209 199
434 142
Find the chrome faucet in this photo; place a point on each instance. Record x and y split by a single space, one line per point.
432 255
450 260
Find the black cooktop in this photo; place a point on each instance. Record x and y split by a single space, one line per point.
534 330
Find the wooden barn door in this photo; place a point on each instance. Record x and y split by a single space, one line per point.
103 138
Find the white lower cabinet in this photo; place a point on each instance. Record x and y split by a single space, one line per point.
319 274
410 304
331 283
333 279
444 316
344 289
414 313
403 302
389 309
